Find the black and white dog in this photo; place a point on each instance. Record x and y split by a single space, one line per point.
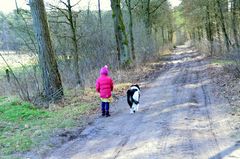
133 97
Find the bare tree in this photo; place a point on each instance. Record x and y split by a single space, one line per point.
234 22
100 20
209 27
51 78
224 29
120 34
71 21
149 10
129 6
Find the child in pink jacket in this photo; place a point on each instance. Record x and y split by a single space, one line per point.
104 85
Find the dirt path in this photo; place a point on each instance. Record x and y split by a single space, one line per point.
179 118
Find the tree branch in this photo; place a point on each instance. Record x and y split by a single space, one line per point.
135 5
76 3
158 6
61 10
65 4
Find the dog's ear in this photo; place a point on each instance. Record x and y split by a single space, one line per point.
137 86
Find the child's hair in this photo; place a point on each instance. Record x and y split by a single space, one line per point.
104 70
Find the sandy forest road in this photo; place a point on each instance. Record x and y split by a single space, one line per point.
179 118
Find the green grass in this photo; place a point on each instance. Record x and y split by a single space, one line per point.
23 127
223 62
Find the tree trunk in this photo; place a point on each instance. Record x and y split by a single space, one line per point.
170 35
219 36
163 36
120 34
128 2
199 33
75 45
147 19
226 38
209 30
217 27
234 22
51 78
100 21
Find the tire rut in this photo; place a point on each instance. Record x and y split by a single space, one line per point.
121 145
207 101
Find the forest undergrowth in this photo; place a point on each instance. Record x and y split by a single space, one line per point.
227 82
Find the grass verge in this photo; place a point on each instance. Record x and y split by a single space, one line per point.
223 62
23 127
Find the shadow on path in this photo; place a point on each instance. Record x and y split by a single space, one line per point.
228 151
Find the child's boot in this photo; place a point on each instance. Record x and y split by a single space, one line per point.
103 113
107 114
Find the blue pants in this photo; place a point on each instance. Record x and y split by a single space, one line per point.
105 106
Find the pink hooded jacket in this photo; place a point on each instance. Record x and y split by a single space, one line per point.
104 84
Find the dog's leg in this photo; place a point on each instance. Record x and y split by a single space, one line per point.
134 107
131 110
137 107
